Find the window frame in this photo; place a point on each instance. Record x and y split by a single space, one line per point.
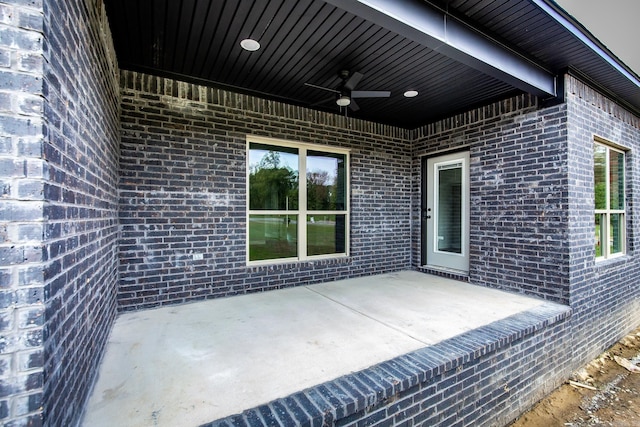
608 212
302 211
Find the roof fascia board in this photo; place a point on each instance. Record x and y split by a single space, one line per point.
440 32
552 9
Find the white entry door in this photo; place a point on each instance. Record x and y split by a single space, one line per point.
446 211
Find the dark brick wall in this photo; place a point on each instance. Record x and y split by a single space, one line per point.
21 213
183 192
605 295
518 189
81 90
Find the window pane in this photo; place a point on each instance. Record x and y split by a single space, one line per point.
616 179
600 175
616 233
599 235
326 234
326 181
273 177
273 236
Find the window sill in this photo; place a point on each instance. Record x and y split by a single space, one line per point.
614 261
334 259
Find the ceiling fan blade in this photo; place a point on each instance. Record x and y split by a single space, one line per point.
324 101
353 81
370 94
322 87
353 105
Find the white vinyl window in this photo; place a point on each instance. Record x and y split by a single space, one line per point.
298 198
609 195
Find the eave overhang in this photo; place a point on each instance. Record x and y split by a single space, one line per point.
443 33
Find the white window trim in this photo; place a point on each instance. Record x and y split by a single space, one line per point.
609 146
302 211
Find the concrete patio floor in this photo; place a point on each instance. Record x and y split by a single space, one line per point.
191 364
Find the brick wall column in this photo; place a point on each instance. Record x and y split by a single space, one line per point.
605 296
21 212
81 149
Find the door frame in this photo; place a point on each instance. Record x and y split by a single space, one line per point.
424 186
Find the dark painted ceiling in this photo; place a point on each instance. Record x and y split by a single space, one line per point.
310 41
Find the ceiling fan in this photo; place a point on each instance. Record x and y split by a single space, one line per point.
345 93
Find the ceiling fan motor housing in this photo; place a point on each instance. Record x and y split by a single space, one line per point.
345 92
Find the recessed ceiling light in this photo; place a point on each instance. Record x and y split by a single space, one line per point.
411 93
250 44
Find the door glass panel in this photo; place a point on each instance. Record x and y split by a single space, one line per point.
449 215
273 236
273 177
325 234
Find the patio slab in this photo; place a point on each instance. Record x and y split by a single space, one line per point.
191 364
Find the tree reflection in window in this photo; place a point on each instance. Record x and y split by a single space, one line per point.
296 213
609 200
273 187
273 178
326 185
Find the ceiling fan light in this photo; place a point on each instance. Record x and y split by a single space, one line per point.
343 101
411 93
250 44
